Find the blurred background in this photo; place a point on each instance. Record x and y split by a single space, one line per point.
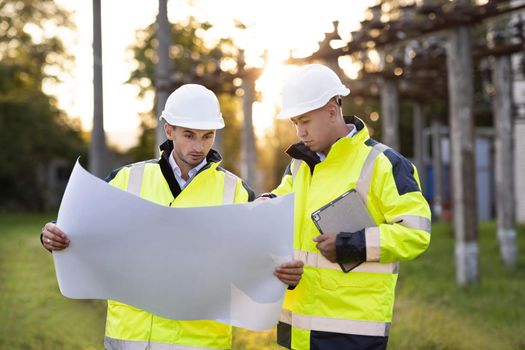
442 81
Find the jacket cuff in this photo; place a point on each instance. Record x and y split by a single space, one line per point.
373 244
351 247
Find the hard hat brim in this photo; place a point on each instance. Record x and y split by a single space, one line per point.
192 124
288 113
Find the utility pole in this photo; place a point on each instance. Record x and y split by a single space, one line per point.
98 152
248 150
461 95
162 69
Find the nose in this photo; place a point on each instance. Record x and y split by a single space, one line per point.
198 146
301 131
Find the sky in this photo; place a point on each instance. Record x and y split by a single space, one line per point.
275 26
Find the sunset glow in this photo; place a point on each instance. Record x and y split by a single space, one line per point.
277 28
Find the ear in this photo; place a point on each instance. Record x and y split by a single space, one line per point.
169 131
332 110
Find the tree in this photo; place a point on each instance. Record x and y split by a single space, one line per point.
193 61
33 131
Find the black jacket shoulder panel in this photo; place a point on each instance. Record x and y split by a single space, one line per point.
403 172
251 193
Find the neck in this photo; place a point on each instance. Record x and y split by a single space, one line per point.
184 167
340 131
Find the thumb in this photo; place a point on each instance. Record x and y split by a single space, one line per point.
319 238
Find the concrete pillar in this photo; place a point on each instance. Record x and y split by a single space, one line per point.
437 167
418 124
518 96
461 95
390 113
502 111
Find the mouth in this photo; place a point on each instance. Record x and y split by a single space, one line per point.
196 155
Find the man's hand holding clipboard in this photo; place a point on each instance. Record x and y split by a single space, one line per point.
347 214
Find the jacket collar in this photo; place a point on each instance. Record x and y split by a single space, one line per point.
300 151
213 157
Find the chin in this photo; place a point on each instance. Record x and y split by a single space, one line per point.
312 148
193 162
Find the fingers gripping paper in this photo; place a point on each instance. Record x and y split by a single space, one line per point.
205 263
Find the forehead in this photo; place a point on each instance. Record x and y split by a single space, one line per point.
194 131
307 115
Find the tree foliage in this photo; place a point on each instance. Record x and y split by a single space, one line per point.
191 57
33 131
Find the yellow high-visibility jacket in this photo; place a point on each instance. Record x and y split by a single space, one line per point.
129 328
330 309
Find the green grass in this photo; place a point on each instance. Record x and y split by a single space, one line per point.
431 312
33 313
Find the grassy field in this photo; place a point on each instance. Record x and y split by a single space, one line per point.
431 312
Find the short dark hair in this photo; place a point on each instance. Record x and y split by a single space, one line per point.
338 100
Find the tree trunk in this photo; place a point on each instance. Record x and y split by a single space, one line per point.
502 106
98 152
162 69
461 94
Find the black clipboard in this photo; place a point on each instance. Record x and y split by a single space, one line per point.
346 213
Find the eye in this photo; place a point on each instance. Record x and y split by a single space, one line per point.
189 136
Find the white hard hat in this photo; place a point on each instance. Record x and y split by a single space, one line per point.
193 106
308 88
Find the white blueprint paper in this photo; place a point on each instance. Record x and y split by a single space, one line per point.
205 263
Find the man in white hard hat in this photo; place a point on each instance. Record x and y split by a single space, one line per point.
330 308
187 174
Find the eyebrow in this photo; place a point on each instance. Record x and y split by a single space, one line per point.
193 133
299 118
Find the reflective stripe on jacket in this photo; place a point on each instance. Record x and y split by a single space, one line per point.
129 328
351 310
